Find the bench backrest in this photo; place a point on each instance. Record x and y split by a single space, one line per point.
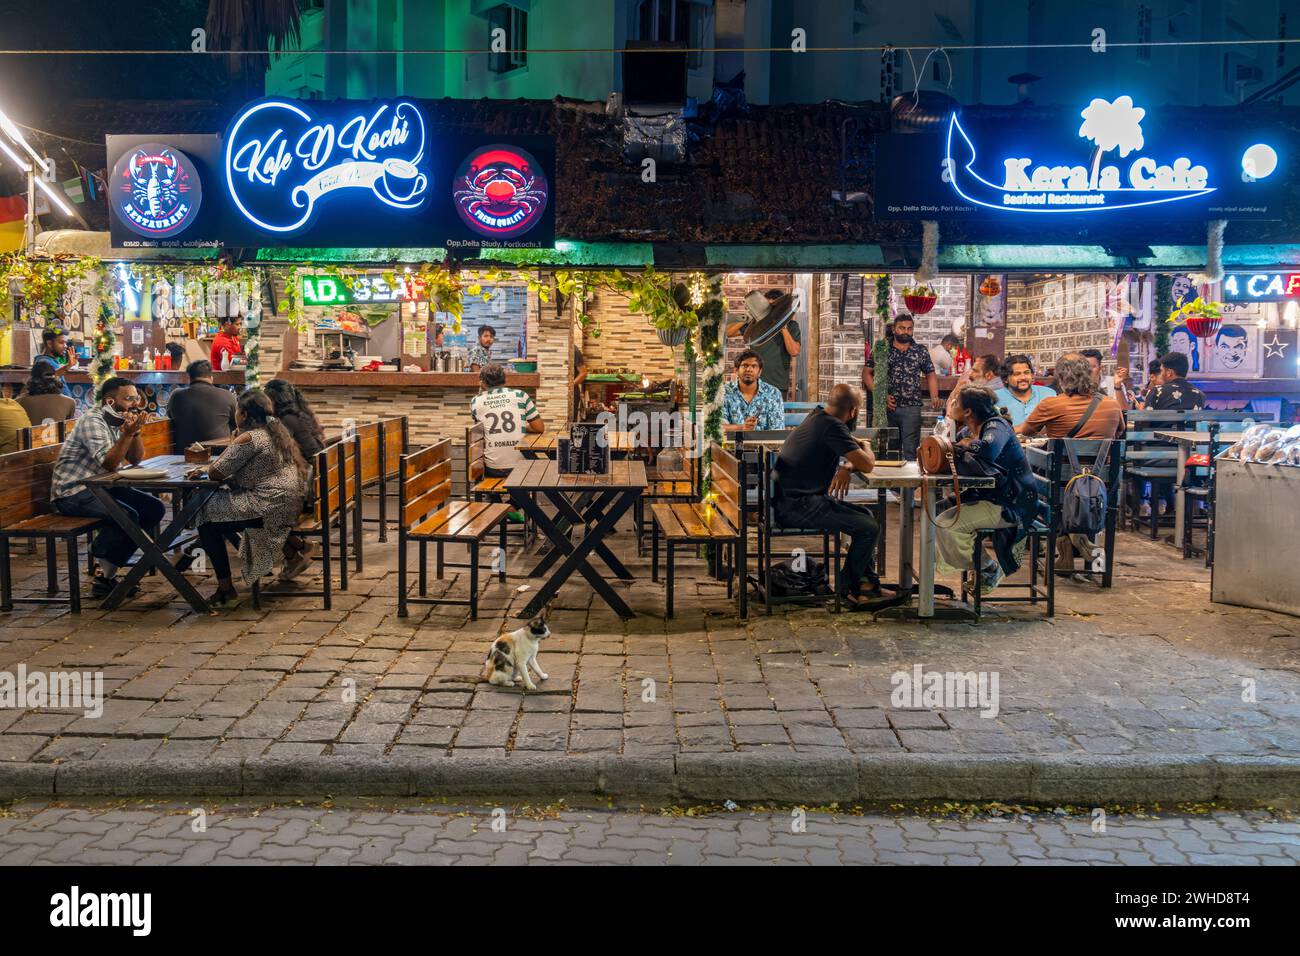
25 478
727 479
44 433
795 412
157 437
475 469
328 472
425 484
366 443
395 433
1051 469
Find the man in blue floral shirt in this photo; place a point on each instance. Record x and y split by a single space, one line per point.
909 363
749 403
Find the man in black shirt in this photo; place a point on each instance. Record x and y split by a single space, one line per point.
1173 391
812 475
910 366
201 412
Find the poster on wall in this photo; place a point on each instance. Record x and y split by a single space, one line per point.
1234 351
160 191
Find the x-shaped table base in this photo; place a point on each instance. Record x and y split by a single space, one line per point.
606 510
153 552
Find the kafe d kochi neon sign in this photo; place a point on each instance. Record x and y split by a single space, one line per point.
283 163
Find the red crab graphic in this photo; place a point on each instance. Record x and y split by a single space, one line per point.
501 191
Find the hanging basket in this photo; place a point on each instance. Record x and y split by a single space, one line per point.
673 337
1203 326
990 287
920 304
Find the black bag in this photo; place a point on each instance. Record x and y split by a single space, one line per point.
785 581
1086 497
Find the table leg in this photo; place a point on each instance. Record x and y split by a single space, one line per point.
925 605
575 555
153 553
906 524
1179 501
567 516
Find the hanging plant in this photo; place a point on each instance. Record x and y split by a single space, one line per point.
990 288
920 299
1202 318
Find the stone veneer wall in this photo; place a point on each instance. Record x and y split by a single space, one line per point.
840 349
627 341
1050 315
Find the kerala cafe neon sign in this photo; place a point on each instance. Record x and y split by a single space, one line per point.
282 161
1261 286
1112 128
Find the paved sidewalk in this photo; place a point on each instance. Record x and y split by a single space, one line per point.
1149 670
412 834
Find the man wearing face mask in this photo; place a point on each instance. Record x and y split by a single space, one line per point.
909 365
105 438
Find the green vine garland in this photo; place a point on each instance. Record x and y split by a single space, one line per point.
1164 308
880 358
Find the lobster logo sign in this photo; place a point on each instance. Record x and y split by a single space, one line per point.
500 191
157 191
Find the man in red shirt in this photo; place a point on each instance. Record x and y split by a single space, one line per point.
227 341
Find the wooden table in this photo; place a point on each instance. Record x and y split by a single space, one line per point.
153 552
611 496
1187 442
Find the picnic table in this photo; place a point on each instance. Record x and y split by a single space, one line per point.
193 495
1187 442
603 500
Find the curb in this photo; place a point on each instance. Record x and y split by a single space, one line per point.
704 778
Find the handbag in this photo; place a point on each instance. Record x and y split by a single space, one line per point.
936 455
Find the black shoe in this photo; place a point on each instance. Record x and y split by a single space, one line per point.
102 587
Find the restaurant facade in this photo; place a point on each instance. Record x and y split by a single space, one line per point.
363 229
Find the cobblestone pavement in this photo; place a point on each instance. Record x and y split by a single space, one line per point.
1149 667
408 833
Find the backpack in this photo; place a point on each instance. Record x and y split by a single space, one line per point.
787 582
1086 497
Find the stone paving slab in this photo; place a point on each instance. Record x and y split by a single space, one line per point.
1142 688
196 832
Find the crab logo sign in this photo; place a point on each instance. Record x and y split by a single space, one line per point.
500 191
156 190
283 160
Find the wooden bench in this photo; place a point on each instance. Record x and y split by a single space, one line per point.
379 447
429 514
43 434
720 520
669 482
326 509
27 514
479 486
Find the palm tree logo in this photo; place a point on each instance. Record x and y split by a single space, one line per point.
1116 125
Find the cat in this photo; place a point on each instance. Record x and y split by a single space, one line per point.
511 655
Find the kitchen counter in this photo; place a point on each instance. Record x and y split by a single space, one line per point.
403 379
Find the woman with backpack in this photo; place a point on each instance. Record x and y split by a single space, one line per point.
986 447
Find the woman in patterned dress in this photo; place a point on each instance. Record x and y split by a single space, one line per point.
267 480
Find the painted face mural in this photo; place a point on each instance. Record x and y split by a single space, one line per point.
500 191
157 191
1182 290
1230 346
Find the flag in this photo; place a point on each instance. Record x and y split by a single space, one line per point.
74 189
13 210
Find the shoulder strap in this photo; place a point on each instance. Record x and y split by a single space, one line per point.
1092 407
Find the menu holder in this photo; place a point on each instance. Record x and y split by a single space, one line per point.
585 451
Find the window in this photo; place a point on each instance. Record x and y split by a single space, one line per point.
515 24
675 20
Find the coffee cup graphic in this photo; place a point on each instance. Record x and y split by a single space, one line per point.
403 180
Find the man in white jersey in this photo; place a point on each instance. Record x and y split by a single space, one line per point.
506 414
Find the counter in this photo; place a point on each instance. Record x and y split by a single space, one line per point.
304 378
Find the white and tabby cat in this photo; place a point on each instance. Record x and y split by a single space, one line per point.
512 655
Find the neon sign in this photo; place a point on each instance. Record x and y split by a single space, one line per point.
282 162
157 192
1066 187
331 290
1261 287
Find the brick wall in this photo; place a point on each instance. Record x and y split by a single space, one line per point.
840 349
1050 315
627 341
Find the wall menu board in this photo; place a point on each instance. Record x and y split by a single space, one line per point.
333 175
1104 165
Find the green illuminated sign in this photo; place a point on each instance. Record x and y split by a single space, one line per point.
333 290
